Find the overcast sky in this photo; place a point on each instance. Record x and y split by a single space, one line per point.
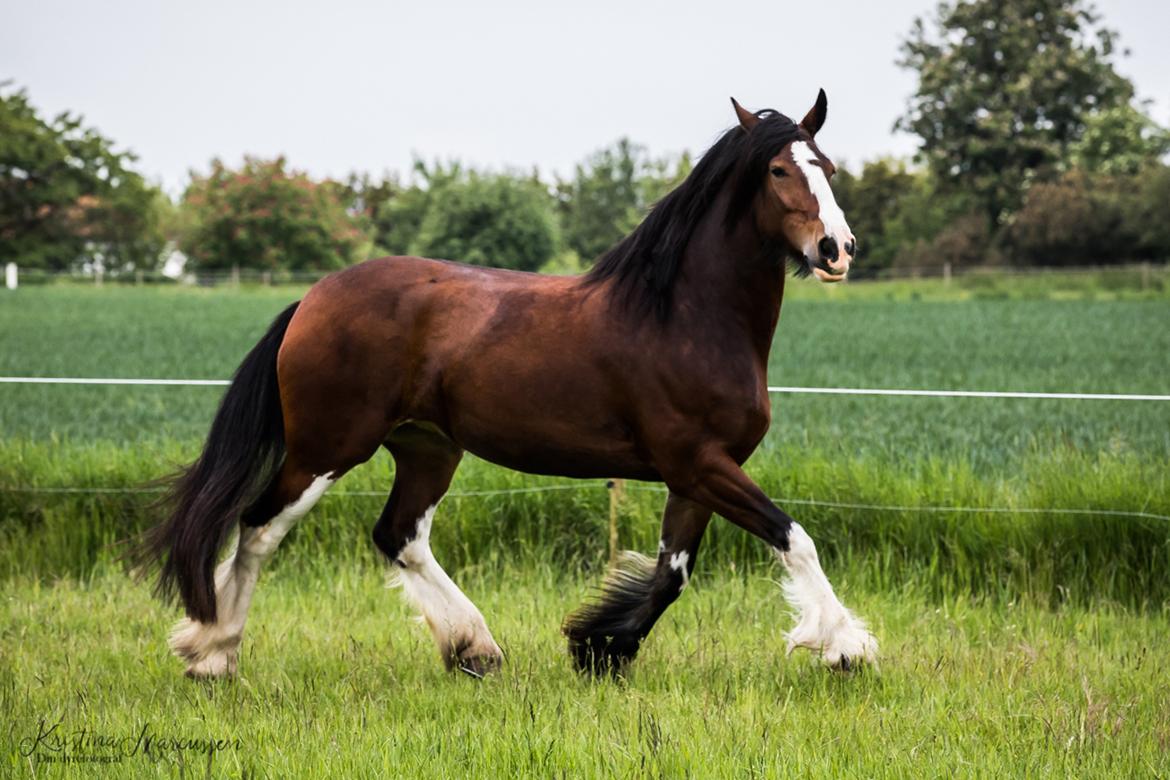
349 85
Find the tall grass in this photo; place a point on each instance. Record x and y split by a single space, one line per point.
1048 555
901 452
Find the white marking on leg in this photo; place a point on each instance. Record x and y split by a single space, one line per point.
678 562
824 624
211 649
456 624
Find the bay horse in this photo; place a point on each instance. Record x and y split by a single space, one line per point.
650 366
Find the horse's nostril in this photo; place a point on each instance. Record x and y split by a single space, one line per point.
851 247
827 246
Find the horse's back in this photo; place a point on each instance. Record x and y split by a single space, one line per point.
411 338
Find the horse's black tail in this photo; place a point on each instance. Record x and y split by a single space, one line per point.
203 501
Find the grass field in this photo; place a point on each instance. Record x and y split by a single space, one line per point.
1014 642
870 341
337 681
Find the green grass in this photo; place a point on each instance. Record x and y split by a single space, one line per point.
826 338
1014 643
337 681
886 451
1051 557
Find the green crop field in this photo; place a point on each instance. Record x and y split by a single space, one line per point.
1021 611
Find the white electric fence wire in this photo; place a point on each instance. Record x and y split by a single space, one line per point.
584 485
578 486
878 391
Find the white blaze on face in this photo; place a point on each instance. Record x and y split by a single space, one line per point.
830 213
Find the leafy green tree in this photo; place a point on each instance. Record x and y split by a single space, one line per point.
1119 140
67 197
655 181
487 219
265 216
610 193
901 219
871 200
1005 89
596 205
362 194
397 219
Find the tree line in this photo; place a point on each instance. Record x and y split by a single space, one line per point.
1033 150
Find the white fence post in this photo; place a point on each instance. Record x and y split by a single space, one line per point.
10 276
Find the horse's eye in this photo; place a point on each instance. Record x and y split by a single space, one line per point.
779 173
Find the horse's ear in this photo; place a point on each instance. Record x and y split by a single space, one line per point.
815 117
747 120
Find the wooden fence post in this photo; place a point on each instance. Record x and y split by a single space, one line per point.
10 273
617 490
947 273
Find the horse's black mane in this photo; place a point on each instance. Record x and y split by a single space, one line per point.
645 264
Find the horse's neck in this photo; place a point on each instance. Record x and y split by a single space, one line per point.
729 287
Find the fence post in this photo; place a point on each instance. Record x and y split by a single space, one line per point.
617 490
236 275
266 278
1146 275
138 278
97 277
947 273
10 276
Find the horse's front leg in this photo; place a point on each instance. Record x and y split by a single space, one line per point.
605 634
824 625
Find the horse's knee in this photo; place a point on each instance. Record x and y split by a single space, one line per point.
388 539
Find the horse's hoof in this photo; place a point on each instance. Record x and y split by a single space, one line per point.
213 667
479 666
601 657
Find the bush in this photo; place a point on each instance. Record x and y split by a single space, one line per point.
492 220
1143 218
266 217
1075 220
962 242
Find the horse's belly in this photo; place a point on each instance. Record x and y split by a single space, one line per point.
532 458
567 441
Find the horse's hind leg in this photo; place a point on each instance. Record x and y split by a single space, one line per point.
212 649
605 635
425 461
